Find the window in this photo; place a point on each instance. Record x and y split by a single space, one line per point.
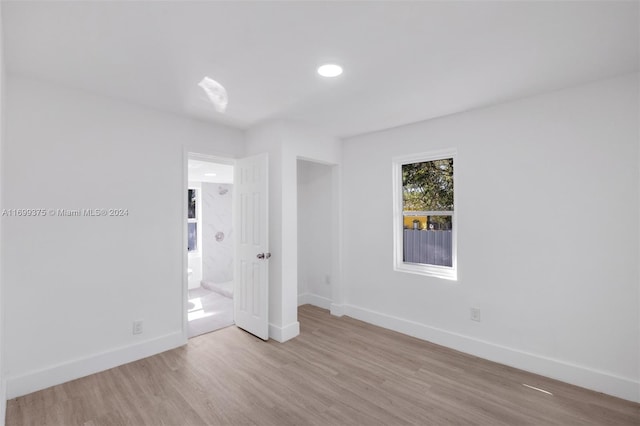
192 220
424 214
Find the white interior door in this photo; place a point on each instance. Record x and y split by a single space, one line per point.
251 295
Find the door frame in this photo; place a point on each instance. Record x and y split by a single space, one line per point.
186 156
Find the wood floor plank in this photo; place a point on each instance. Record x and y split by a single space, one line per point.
339 371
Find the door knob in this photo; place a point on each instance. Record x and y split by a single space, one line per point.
260 256
263 255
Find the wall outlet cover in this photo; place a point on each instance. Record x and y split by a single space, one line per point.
475 314
137 327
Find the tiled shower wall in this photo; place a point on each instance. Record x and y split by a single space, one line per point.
217 233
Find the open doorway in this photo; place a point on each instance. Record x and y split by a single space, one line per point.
210 263
316 223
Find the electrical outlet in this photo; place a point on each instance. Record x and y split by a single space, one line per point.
137 327
475 314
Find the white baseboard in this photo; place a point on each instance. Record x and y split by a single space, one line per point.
314 299
337 310
600 381
54 375
3 401
302 299
282 334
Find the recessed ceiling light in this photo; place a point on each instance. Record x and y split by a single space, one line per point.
210 174
330 70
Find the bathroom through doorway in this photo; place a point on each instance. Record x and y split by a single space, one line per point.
210 246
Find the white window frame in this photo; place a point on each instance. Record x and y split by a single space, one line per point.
444 272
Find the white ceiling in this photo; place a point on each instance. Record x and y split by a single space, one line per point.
403 61
204 171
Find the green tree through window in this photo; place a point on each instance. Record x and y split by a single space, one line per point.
428 186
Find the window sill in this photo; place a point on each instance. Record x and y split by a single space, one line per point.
442 272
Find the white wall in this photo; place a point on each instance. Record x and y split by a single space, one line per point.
547 191
77 283
286 142
315 244
3 393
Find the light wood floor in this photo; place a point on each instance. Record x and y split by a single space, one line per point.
338 371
